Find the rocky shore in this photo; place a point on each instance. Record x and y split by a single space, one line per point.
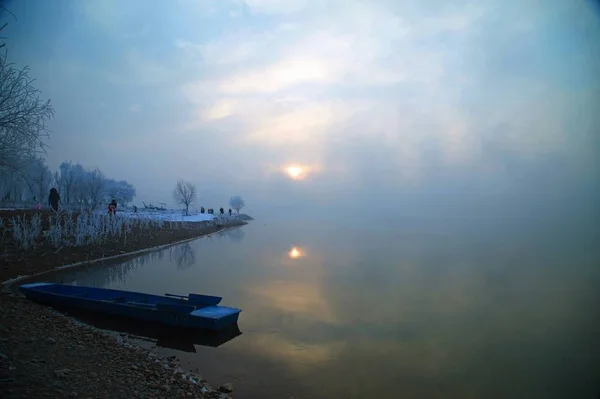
46 354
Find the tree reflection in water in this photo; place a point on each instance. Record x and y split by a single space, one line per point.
118 273
107 274
235 234
184 255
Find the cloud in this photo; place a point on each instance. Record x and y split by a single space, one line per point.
276 6
282 75
382 94
291 102
143 70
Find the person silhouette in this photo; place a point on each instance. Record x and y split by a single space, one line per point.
53 199
112 207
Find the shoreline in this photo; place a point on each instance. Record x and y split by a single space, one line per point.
15 263
45 353
6 286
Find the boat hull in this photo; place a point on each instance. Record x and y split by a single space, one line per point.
209 317
162 335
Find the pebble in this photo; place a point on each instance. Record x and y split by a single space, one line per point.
226 388
61 373
50 341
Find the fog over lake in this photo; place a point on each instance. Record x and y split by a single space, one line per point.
424 178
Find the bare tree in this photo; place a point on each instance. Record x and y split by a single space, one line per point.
6 179
2 26
185 194
78 193
12 186
69 175
39 179
237 203
1 29
95 184
22 118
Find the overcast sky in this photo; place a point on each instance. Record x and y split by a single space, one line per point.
412 106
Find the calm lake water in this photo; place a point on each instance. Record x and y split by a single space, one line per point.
390 309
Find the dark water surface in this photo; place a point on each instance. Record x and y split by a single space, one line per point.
375 308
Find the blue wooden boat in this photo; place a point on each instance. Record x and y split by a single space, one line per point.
193 311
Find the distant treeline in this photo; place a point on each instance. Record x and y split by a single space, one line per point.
76 185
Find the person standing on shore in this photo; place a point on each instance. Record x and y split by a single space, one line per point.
229 212
112 208
53 199
222 211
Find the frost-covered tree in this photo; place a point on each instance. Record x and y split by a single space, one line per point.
237 203
2 27
95 184
33 181
12 186
22 131
23 117
6 179
185 194
120 190
66 179
78 191
89 187
39 179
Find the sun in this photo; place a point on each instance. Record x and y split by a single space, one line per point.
295 172
295 253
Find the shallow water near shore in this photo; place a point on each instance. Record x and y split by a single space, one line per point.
388 308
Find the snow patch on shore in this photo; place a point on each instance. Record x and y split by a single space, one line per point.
169 216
